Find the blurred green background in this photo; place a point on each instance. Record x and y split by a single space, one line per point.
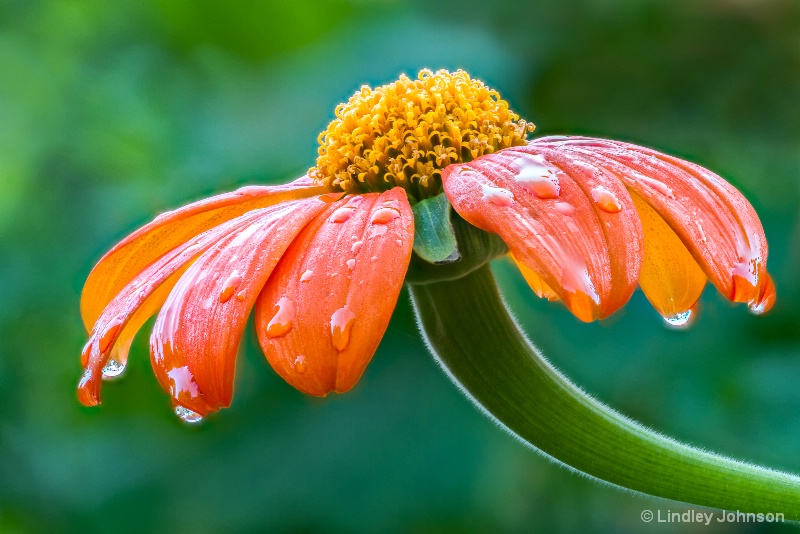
112 112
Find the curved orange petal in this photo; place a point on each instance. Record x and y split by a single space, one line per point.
671 279
571 224
138 301
123 262
323 312
194 341
535 282
715 222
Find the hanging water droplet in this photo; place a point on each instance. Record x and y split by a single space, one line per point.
341 215
537 176
281 322
497 196
351 264
606 200
384 216
187 415
300 364
229 287
356 248
306 276
680 320
341 324
113 369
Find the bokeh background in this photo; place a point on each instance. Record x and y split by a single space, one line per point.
112 112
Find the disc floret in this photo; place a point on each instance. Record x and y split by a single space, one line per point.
404 133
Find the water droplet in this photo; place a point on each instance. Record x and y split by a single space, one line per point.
300 364
281 322
341 324
113 369
661 187
374 258
341 215
187 415
393 203
682 319
399 242
240 295
565 208
356 248
606 200
229 287
497 196
111 332
384 216
251 190
355 201
537 176
351 263
306 276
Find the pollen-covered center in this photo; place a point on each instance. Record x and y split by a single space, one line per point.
404 133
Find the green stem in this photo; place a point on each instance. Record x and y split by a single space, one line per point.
469 330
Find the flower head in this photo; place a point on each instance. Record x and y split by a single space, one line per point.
405 133
323 259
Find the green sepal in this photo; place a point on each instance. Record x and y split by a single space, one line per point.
475 248
434 237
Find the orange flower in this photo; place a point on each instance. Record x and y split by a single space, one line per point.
323 259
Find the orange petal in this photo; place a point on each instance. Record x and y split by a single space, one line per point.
123 262
139 300
535 282
670 278
543 206
715 222
326 307
197 333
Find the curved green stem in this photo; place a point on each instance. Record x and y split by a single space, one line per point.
471 333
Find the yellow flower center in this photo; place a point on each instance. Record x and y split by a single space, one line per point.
404 133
